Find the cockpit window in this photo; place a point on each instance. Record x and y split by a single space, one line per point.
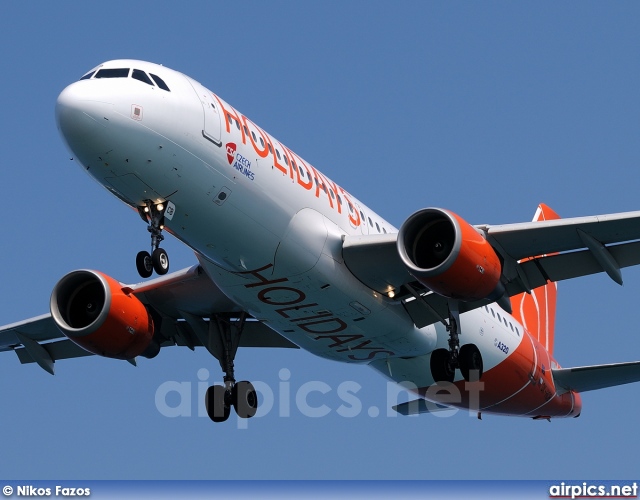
113 73
88 75
160 82
142 76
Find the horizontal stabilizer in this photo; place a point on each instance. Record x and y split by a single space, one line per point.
590 378
420 406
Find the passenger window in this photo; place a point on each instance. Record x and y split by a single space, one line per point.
370 223
499 318
160 82
384 230
377 227
493 313
142 76
113 73
278 154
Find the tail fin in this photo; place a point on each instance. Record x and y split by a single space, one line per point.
537 311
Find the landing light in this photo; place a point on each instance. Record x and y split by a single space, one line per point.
160 207
146 209
161 227
391 294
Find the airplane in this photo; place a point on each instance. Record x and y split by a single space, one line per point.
461 315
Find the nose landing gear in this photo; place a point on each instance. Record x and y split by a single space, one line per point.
157 260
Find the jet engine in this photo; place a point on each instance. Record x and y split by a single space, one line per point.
447 255
100 315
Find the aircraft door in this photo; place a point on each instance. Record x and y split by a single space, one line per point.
212 114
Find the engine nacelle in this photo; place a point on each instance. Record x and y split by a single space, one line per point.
96 313
446 254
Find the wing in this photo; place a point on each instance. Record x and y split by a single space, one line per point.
182 303
532 253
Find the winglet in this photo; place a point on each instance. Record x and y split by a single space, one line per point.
545 212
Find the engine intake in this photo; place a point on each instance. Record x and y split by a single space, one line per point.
447 255
96 313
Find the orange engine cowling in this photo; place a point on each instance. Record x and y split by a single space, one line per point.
447 255
95 312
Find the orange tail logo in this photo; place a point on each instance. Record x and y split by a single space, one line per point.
537 311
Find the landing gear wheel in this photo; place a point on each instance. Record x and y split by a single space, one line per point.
470 359
441 368
245 399
144 264
214 401
160 261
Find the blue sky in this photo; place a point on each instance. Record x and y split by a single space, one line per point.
486 109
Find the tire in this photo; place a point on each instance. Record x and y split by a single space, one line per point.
214 403
470 359
160 261
144 264
441 369
245 399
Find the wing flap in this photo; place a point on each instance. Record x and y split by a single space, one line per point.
254 334
527 239
590 378
570 265
62 349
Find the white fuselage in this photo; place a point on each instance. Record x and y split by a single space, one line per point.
267 231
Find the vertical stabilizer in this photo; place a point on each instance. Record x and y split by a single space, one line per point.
537 311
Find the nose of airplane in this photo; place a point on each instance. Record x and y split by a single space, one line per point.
82 117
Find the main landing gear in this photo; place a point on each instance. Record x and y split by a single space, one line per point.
157 260
240 395
467 358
